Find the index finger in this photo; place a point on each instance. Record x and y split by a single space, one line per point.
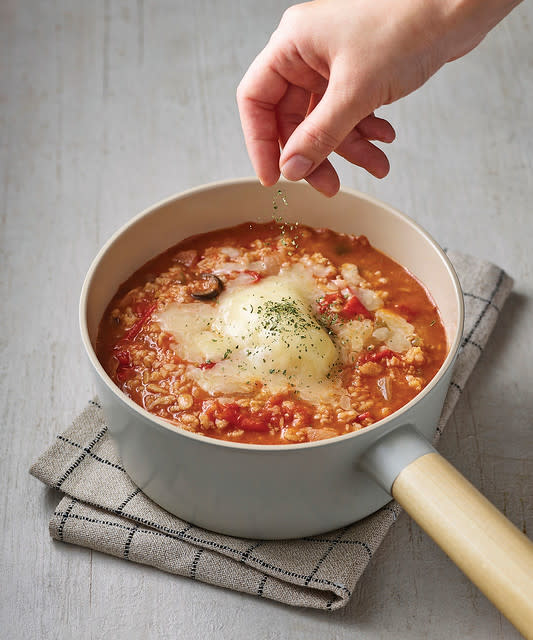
258 95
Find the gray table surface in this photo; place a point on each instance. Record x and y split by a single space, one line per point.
107 107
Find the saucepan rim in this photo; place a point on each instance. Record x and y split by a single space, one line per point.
289 448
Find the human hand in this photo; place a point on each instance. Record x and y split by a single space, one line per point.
331 63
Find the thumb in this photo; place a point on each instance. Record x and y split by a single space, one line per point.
341 108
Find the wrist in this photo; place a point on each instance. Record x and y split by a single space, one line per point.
467 22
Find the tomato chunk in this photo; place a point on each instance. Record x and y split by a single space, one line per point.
229 412
238 417
354 307
123 358
377 356
206 365
325 302
252 423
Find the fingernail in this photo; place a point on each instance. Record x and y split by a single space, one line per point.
296 167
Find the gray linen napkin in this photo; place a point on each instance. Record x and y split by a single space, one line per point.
105 511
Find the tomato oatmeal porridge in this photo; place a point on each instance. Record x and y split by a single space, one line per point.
272 334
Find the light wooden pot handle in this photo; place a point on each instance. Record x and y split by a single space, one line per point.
491 551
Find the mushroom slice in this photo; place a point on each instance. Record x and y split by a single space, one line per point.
206 287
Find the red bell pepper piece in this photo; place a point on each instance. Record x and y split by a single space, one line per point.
132 333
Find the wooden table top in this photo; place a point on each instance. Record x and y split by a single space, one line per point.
107 107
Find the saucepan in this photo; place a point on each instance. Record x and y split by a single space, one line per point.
295 490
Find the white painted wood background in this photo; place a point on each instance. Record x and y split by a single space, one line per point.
107 107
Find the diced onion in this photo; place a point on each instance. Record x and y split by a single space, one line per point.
240 280
381 334
321 270
385 386
269 266
350 273
369 298
229 267
230 251
345 402
256 266
401 331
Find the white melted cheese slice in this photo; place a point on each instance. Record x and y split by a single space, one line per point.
261 333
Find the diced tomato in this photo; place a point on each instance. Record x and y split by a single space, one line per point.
124 373
252 424
132 333
241 418
275 400
238 417
206 365
362 416
354 307
377 356
125 368
255 275
230 412
325 302
123 358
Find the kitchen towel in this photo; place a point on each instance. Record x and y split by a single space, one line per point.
102 509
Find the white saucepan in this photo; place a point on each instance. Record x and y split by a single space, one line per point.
298 490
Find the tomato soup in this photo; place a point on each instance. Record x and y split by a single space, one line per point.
272 334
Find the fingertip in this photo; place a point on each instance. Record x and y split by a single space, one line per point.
373 128
331 193
268 181
267 172
327 191
325 179
390 134
265 162
382 170
296 167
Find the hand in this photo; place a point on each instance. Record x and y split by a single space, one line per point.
331 63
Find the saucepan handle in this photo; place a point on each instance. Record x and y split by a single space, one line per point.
487 547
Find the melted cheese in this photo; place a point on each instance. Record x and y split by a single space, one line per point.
263 333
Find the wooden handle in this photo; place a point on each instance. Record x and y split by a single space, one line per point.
491 551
